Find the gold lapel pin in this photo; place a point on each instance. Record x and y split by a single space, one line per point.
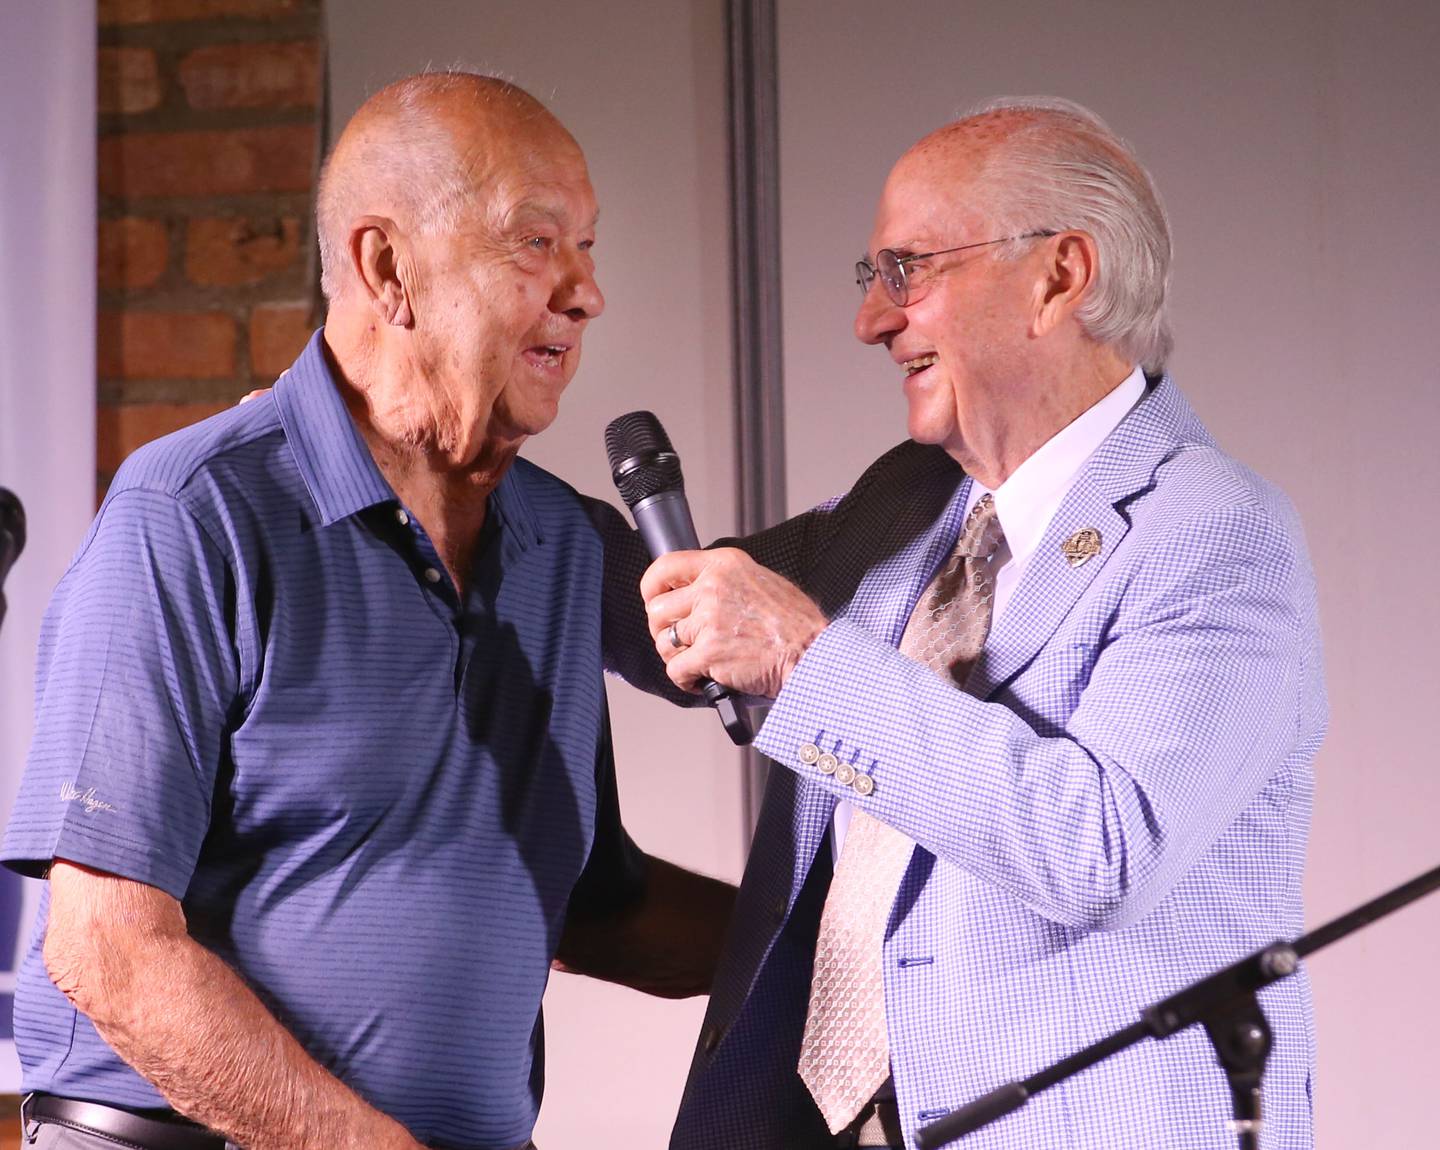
1081 547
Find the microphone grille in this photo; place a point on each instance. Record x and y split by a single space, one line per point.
637 433
642 461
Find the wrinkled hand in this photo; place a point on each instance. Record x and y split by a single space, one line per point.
737 622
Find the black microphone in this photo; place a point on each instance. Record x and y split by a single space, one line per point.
646 471
12 538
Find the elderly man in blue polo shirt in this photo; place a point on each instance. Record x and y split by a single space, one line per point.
322 769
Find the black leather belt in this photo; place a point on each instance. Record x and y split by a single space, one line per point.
123 1127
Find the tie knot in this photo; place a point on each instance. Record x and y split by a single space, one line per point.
981 536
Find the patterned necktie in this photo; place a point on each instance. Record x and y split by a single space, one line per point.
845 1054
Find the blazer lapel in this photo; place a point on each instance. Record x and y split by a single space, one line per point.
1049 588
1124 465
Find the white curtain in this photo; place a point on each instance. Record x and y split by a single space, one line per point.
47 367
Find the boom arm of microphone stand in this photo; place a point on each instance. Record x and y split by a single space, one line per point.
1224 1002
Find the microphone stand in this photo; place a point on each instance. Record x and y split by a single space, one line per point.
1224 1003
12 537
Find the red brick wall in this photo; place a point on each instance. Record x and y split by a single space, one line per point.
209 120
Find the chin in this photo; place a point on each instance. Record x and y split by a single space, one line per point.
930 427
521 425
931 408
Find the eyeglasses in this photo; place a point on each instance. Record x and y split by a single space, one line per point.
890 266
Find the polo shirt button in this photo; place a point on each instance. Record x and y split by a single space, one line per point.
809 752
827 763
844 774
431 575
863 783
402 516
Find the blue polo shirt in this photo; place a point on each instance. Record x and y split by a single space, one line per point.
259 692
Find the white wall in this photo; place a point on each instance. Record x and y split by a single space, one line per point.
642 87
47 362
1294 142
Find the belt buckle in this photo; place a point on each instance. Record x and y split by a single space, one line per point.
29 1128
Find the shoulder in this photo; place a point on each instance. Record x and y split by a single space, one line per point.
1171 477
230 479
907 469
1202 474
555 510
904 491
1210 518
1199 482
172 464
549 495
907 462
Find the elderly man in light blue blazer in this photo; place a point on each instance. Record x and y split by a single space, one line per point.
1047 689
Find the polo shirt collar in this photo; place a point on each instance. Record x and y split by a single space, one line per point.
337 467
513 509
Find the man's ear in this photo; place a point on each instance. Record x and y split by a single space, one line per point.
1071 263
375 244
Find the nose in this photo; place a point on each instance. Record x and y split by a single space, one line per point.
577 294
878 318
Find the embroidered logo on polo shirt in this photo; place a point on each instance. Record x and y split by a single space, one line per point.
70 793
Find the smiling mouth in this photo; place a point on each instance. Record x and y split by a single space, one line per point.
920 363
548 355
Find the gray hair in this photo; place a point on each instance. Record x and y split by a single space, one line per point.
1061 168
410 166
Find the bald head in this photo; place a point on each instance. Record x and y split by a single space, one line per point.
1033 165
420 152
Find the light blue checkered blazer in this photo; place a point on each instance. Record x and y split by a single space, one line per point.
1116 804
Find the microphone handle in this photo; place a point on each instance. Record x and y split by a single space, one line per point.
665 524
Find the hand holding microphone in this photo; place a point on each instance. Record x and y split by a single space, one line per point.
646 472
714 615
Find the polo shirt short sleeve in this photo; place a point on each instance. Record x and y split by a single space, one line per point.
132 702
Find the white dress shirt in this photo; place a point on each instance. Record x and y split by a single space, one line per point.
1027 501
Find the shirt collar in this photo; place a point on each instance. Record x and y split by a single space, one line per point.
512 505
1029 498
337 467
